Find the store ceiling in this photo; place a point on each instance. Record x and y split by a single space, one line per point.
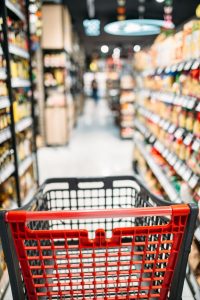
106 12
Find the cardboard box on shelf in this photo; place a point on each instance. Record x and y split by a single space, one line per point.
56 125
57 28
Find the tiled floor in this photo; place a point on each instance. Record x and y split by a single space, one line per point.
95 150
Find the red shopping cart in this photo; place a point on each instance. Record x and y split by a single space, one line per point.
100 238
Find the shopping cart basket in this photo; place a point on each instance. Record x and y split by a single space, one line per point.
101 238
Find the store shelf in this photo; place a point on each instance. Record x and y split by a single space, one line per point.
168 126
3 75
127 137
25 164
13 8
188 102
181 168
126 124
18 82
6 172
162 178
23 124
185 65
127 112
54 67
18 51
5 135
4 282
4 102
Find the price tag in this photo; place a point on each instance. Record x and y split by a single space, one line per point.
182 170
177 165
170 157
180 101
188 139
166 125
191 103
173 160
161 122
195 64
198 107
171 98
172 128
196 145
185 102
188 65
174 68
180 66
179 133
152 139
193 181
167 70
176 100
187 174
159 71
165 153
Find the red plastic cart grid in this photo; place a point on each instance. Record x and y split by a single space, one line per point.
137 262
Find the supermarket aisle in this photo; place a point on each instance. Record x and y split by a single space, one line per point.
95 148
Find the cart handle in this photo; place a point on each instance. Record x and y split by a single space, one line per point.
23 216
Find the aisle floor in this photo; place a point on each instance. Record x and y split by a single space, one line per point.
95 149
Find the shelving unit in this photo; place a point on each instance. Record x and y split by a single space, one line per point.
59 103
127 110
168 122
17 177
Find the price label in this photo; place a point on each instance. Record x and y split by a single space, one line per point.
159 71
179 133
191 103
196 145
172 128
177 165
166 125
180 101
193 181
185 102
170 157
174 68
188 65
182 169
173 160
180 66
198 107
167 70
161 122
187 174
195 64
152 139
188 139
176 100
165 153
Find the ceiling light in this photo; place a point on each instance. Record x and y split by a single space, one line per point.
136 27
136 48
198 11
92 27
104 49
160 1
116 53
